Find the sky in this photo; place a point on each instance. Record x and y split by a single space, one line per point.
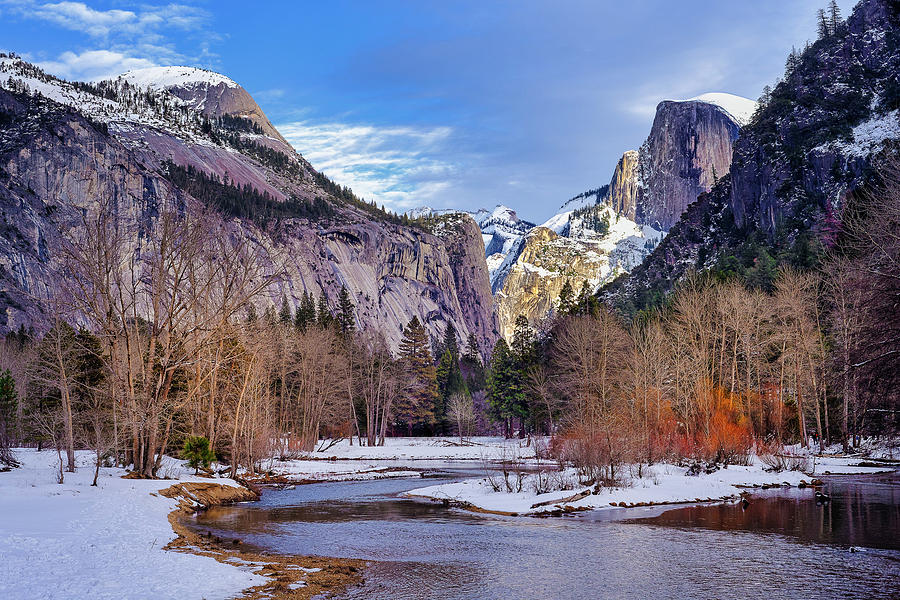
453 104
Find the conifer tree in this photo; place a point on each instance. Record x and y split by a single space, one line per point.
345 317
834 16
417 407
323 313
471 365
450 341
822 24
306 312
284 315
566 302
450 381
506 394
8 402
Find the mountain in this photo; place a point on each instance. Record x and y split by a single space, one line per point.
813 141
605 232
688 149
582 246
196 141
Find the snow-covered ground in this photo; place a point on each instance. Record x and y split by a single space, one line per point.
662 483
426 448
77 541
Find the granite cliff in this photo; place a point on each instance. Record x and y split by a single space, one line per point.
64 146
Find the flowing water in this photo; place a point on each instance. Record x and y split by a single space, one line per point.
783 545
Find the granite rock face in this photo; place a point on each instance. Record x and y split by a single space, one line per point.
835 108
688 149
623 188
57 160
817 139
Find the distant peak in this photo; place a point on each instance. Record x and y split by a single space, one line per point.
739 108
167 77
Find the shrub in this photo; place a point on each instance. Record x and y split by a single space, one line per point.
198 453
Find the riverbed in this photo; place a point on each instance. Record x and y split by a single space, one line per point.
785 544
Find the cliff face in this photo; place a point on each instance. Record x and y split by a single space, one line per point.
56 161
623 188
812 142
586 246
688 148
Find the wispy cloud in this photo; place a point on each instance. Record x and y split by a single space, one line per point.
397 166
122 38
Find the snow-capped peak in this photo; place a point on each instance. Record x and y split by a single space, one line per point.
741 109
168 77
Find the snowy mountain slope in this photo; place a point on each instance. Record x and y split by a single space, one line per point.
587 246
160 78
738 108
501 230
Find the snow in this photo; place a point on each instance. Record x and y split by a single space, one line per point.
661 483
168 77
558 222
739 108
869 136
77 541
436 448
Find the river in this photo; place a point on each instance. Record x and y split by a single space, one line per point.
783 545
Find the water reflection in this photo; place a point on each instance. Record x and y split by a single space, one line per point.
783 546
861 512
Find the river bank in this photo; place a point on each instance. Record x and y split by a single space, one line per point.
521 493
125 538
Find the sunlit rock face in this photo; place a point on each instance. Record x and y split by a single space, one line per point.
623 188
589 246
688 149
63 150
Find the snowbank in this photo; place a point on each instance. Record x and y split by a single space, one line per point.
77 541
437 448
661 484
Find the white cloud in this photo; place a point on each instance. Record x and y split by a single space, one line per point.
397 166
145 22
126 39
93 64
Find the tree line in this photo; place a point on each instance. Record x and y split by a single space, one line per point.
155 339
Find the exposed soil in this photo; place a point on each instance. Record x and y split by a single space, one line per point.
289 576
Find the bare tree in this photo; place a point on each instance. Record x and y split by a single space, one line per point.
462 412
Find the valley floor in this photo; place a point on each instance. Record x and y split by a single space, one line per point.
73 540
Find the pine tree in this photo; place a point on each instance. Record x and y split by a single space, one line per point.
471 366
566 302
323 313
822 24
417 407
450 381
251 314
284 315
506 394
450 341
306 312
9 400
834 16
345 318
793 61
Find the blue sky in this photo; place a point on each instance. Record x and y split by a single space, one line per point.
447 104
